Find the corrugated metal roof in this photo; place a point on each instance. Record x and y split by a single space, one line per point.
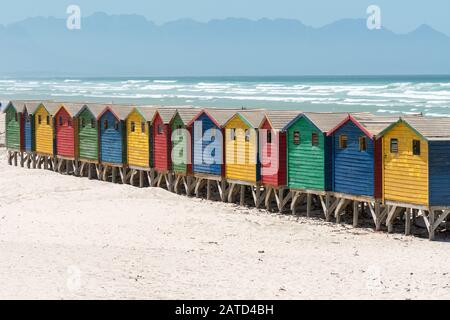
430 127
221 115
326 121
95 108
31 105
280 118
166 114
253 117
187 114
122 111
375 124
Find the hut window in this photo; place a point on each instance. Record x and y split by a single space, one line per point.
60 121
28 118
343 141
116 126
69 122
362 144
269 136
314 139
92 123
416 147
133 126
105 124
233 134
160 129
83 122
296 137
143 127
48 120
247 135
394 145
16 116
39 119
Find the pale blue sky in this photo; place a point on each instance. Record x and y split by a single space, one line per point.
398 15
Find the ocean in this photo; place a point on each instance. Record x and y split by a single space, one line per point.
429 95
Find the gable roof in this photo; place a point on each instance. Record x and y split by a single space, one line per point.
50 106
429 128
278 119
218 116
323 121
252 118
71 107
20 105
166 114
370 124
186 114
95 108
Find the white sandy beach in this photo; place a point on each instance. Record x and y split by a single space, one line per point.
63 237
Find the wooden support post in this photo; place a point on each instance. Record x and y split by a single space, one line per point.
89 171
308 205
355 213
408 213
114 174
208 189
141 179
267 198
327 209
45 163
432 229
22 160
377 214
242 197
15 159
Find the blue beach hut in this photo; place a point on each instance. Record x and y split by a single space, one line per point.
112 134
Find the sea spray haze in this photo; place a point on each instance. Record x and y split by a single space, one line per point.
131 45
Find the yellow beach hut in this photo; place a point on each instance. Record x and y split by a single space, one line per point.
44 129
138 137
416 169
242 165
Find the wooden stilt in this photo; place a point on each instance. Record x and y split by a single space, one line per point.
408 213
308 205
141 179
433 226
208 189
242 196
355 213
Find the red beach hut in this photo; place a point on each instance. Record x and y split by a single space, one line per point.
65 130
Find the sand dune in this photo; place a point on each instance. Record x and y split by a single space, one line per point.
63 237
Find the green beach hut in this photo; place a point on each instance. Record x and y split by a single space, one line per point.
13 124
309 150
88 142
181 140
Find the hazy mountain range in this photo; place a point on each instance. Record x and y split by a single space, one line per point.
130 45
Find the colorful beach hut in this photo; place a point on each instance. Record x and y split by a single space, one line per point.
113 135
66 130
273 151
208 156
13 126
88 132
273 146
207 152
309 152
28 127
181 140
242 166
357 155
162 139
416 169
138 137
44 130
357 164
